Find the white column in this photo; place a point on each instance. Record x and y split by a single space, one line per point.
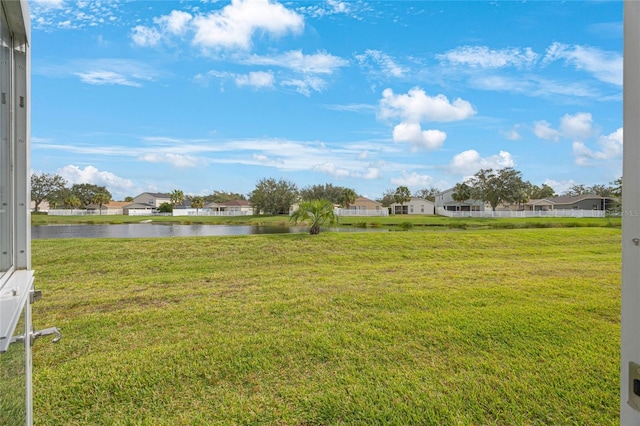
630 318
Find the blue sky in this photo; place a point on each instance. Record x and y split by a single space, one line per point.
204 95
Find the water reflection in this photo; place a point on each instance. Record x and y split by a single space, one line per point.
152 230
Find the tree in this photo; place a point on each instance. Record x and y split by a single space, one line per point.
223 197
72 202
273 197
347 197
427 193
461 193
495 187
197 202
616 187
86 191
322 192
165 208
177 197
387 198
402 195
128 199
577 189
317 213
45 185
536 192
100 198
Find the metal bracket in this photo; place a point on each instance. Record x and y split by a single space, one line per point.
33 335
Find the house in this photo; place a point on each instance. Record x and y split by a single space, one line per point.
415 206
445 201
363 206
113 207
153 199
239 207
42 207
571 202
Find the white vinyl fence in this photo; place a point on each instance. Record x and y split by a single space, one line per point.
207 212
80 212
361 212
522 213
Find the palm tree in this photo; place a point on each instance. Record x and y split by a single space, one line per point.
197 202
177 197
347 197
461 193
100 198
316 213
72 202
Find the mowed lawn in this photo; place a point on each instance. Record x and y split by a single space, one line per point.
483 327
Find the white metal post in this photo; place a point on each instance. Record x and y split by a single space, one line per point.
630 318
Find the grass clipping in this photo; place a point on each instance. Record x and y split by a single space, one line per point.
456 328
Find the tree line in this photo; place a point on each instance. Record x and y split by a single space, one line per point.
272 196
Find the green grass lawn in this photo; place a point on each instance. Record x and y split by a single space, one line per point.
482 327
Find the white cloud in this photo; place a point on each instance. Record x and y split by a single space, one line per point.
512 134
413 180
176 160
372 173
317 63
175 23
578 126
106 78
235 24
115 184
306 84
416 106
484 57
560 186
232 27
606 66
610 148
257 79
143 36
413 133
384 62
469 162
331 169
543 130
55 4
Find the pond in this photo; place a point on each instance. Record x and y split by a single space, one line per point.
152 230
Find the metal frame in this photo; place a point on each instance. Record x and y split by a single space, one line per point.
16 284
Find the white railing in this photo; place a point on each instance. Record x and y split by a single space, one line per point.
361 212
523 213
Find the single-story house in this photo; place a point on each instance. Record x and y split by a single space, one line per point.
415 206
363 206
138 209
571 202
234 207
113 207
444 200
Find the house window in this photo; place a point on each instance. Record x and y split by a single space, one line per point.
422 208
411 208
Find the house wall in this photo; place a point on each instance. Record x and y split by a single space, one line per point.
366 204
148 198
415 206
445 200
587 204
